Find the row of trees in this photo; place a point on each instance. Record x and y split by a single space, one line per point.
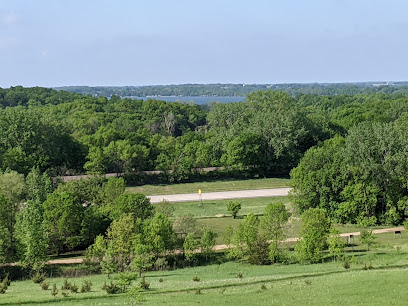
214 90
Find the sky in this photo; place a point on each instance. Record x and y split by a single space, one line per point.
156 42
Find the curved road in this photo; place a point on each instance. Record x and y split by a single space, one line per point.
222 195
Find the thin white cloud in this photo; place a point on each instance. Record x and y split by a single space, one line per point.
9 18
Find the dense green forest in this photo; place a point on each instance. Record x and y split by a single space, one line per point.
293 89
347 156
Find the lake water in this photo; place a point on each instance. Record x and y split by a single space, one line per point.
196 100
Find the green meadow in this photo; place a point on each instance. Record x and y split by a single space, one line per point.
223 185
329 283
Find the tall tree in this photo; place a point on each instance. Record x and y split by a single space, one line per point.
32 236
135 203
63 216
273 223
6 220
314 232
38 185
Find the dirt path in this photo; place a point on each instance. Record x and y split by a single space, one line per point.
221 195
220 247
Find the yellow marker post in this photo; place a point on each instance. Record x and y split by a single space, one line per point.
199 195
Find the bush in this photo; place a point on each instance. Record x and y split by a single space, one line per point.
66 285
233 208
160 280
3 288
161 264
64 293
198 291
196 279
165 208
54 290
4 285
74 288
38 277
144 285
263 287
87 286
125 279
104 286
346 263
44 285
239 275
7 280
112 288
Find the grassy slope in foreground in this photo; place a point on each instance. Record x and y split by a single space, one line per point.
318 284
230 185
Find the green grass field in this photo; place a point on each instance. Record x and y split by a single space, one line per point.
319 284
226 185
219 207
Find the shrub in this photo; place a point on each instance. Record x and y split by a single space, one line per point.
263 287
125 279
308 282
346 263
112 288
44 285
54 290
143 284
104 286
2 288
367 237
233 208
7 280
64 293
38 277
87 286
161 264
74 288
160 280
66 285
239 275
198 291
196 279
4 285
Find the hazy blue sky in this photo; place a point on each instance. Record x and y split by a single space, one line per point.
124 42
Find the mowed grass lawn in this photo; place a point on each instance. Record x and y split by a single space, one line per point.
225 185
219 207
319 284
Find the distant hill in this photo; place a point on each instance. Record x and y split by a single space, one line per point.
222 90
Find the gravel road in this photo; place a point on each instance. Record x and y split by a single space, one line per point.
222 195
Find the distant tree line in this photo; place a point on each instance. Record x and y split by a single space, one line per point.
294 89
